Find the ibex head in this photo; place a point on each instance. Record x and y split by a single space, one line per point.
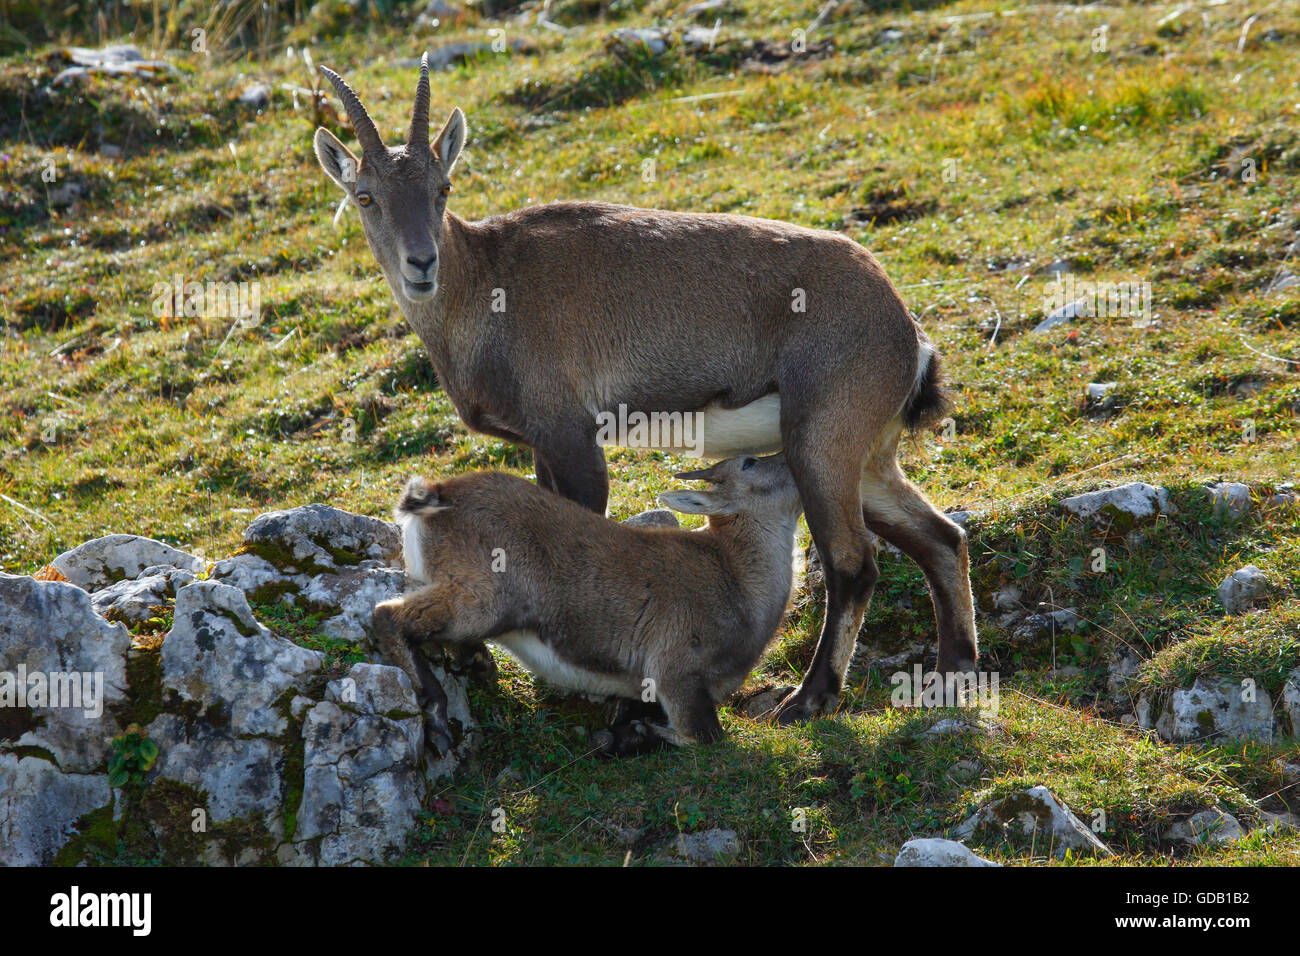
740 485
401 191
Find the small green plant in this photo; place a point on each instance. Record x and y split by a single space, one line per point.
134 755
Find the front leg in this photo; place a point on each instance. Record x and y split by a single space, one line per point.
571 463
397 645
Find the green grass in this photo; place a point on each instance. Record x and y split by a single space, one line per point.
1170 158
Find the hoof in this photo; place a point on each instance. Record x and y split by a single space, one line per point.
801 706
627 740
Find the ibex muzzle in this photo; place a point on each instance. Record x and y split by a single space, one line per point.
543 321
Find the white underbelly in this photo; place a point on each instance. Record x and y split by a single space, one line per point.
711 432
530 651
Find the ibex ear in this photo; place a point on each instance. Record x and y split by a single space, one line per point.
336 159
695 503
420 497
451 140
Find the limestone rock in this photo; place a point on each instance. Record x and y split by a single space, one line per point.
1291 703
1035 813
1217 709
51 639
321 538
136 601
938 852
354 593
335 562
115 557
362 789
218 654
243 777
39 807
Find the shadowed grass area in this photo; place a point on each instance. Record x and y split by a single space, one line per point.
970 145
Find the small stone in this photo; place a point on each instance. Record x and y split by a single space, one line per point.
959 726
962 518
1291 702
1242 589
938 852
654 518
708 846
1120 672
1281 282
1231 499
1036 813
656 41
1277 822
764 701
1135 500
1284 499
1207 827
1097 391
1007 598
1066 620
256 95
1078 309
509 776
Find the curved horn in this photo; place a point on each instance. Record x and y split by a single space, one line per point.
419 134
362 124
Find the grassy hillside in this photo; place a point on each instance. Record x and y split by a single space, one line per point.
971 145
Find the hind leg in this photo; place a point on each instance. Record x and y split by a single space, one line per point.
828 480
900 513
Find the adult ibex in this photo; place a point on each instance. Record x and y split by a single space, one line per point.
539 320
678 617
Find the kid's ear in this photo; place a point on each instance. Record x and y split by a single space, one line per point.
451 140
692 502
336 159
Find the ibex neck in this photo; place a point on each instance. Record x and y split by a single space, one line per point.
456 266
761 549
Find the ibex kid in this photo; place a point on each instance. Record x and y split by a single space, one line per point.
592 605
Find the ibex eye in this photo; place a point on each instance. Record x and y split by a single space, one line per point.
446 190
363 199
749 463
